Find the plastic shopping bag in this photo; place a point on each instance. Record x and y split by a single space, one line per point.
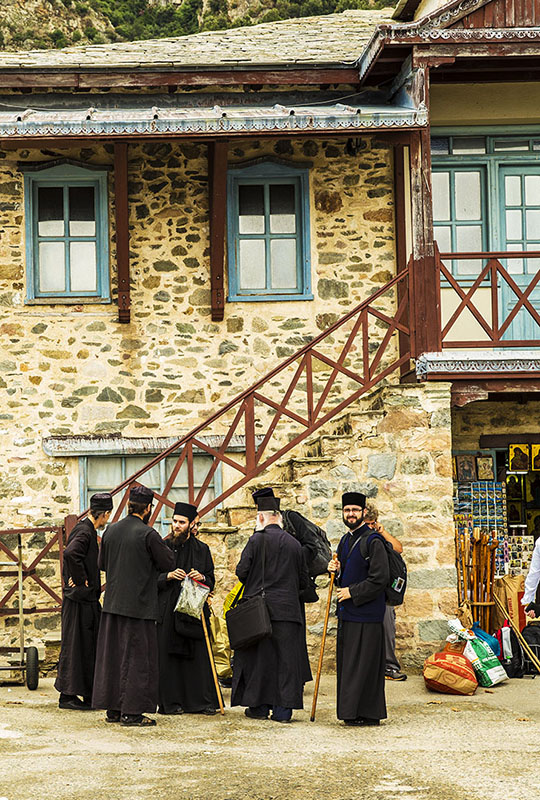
220 646
486 665
192 598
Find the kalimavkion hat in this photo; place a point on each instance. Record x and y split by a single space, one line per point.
102 501
141 494
353 499
185 510
267 503
266 491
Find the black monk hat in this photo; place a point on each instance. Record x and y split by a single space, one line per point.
185 510
141 494
268 503
102 501
266 491
353 499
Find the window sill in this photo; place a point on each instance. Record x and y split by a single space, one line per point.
66 301
261 298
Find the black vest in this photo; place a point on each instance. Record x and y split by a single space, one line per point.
131 588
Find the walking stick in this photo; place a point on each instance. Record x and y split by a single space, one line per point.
523 642
323 641
212 664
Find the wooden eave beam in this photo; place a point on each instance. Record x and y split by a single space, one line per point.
16 143
217 180
132 79
121 210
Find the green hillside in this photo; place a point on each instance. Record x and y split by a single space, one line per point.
60 23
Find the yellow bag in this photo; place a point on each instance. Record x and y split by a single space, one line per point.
234 595
220 646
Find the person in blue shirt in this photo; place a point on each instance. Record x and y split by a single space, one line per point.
361 607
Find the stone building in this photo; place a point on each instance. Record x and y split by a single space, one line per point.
218 269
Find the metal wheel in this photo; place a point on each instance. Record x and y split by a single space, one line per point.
32 668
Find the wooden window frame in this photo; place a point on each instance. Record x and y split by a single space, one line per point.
66 176
266 174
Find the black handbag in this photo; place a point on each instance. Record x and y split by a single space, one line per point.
249 621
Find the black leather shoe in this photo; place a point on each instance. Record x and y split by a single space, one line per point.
274 719
74 705
249 713
176 711
362 722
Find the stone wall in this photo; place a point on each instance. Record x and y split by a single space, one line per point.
74 370
491 417
396 447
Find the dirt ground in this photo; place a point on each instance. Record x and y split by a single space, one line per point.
432 747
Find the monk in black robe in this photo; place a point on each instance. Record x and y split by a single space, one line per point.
309 550
132 554
361 607
80 607
185 676
269 675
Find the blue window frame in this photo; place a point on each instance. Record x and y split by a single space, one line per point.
67 247
268 232
101 473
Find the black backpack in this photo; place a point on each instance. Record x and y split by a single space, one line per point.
513 662
397 583
309 534
531 634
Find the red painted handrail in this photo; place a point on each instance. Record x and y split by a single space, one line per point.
491 277
259 429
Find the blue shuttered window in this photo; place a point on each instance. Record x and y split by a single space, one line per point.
67 249
268 233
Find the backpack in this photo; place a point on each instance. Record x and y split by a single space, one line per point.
531 634
397 582
310 534
511 654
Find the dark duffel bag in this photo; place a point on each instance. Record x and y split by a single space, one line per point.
248 622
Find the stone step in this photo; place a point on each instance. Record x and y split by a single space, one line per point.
301 467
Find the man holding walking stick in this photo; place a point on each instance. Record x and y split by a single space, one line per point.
361 608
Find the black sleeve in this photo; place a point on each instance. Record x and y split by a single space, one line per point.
244 565
162 581
378 575
162 556
74 555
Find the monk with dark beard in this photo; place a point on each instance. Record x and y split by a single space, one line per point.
185 676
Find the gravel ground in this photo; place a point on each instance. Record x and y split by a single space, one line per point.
432 747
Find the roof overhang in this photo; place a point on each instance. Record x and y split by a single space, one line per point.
456 364
216 121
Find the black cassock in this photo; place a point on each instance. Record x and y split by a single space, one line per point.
80 612
126 678
361 658
272 672
185 675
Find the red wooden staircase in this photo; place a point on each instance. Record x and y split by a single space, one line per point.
287 405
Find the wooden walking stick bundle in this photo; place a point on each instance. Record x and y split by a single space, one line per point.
475 559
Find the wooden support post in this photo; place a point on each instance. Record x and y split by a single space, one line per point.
217 186
427 320
122 228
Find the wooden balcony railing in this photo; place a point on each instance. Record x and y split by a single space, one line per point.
292 401
491 307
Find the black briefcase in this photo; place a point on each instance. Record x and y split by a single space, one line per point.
248 622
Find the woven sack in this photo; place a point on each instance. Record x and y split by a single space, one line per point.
449 673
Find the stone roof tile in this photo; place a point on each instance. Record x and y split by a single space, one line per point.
331 39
